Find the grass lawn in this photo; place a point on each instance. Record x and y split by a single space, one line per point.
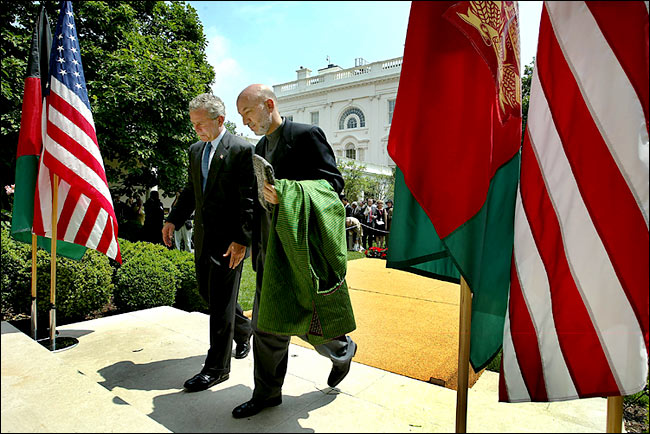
247 286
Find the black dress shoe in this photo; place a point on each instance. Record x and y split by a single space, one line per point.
203 381
339 372
254 406
242 350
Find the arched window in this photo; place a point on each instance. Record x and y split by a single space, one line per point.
352 113
350 152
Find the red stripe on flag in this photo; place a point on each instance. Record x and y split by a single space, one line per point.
625 26
88 224
76 181
503 390
579 342
107 236
37 225
525 341
66 212
29 137
601 184
73 114
72 146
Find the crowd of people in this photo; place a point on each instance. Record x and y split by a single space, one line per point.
143 221
367 223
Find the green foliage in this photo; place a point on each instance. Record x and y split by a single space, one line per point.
495 363
146 280
526 80
14 275
188 297
639 398
247 285
355 255
143 62
359 183
81 286
356 180
231 127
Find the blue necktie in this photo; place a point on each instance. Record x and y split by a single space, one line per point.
205 163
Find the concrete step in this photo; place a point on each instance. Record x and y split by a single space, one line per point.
142 359
42 393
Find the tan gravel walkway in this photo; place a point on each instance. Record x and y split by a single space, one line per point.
406 324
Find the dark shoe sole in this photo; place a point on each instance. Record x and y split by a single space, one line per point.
347 371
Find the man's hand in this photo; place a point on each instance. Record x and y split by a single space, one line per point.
270 194
167 233
236 253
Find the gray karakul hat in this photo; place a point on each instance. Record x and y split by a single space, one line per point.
263 171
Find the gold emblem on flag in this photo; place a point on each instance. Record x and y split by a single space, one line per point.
498 25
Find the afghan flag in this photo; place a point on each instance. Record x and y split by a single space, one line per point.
455 138
30 142
577 323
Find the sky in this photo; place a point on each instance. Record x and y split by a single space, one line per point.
266 42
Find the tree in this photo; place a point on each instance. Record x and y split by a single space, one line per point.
359 183
526 80
354 176
143 62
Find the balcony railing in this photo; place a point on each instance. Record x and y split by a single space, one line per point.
350 75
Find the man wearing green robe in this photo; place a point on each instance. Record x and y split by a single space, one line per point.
312 302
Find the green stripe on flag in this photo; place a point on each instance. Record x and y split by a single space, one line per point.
22 216
481 248
414 244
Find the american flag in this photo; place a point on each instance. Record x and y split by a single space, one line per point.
577 324
85 213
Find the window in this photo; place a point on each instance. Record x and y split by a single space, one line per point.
391 109
289 118
352 113
350 152
314 118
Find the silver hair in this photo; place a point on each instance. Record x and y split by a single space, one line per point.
209 102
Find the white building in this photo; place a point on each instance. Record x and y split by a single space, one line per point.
354 107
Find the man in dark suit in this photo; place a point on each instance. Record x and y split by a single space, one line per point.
297 152
220 192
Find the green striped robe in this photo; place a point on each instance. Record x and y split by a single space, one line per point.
303 288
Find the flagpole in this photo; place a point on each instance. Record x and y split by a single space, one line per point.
614 414
34 305
64 342
55 194
463 356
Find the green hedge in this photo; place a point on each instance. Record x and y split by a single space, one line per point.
81 286
150 275
145 280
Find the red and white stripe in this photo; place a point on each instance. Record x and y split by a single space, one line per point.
577 321
85 213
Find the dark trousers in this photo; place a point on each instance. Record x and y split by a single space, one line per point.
219 286
368 235
271 351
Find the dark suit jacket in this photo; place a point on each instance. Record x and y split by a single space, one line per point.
302 153
224 212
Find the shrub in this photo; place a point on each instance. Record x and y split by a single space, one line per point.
187 292
14 280
145 280
81 286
